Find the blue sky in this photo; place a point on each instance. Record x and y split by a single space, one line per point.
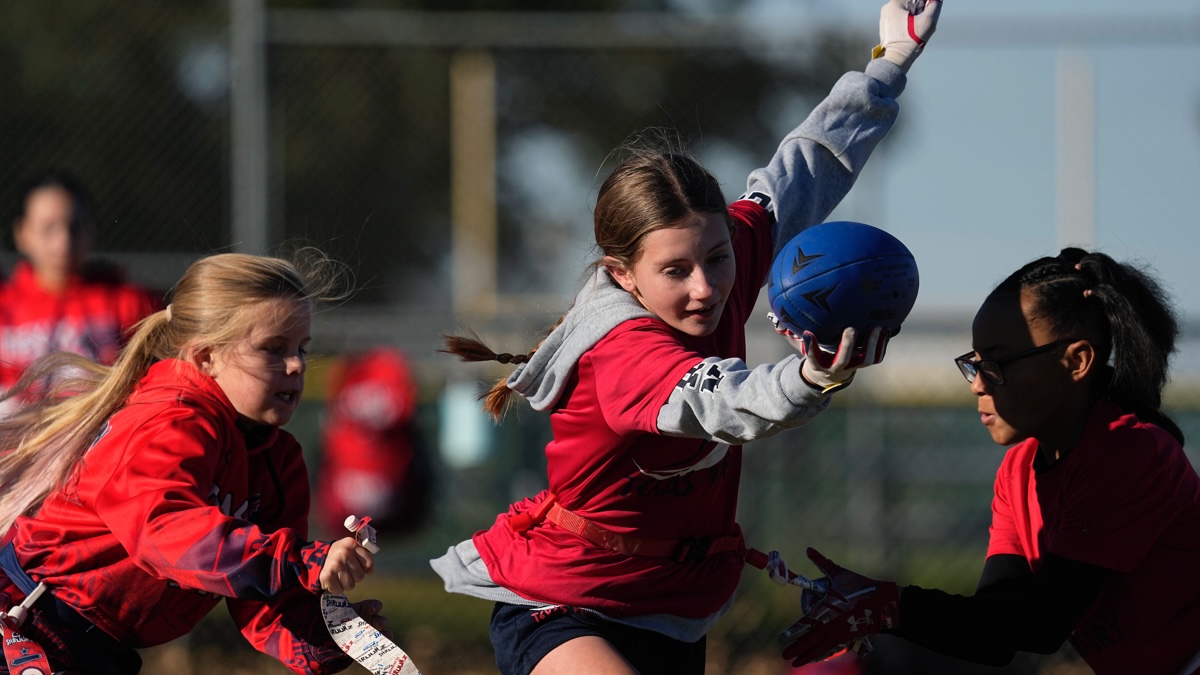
971 185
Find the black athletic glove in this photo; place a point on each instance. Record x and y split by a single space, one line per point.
853 608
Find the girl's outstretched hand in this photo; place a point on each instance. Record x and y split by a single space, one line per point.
833 370
852 607
346 565
850 354
904 28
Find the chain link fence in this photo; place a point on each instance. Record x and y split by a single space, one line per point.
134 97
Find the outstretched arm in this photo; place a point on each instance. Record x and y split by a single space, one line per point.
1010 612
1014 610
818 162
725 400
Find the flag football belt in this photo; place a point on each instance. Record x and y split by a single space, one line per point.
691 549
20 653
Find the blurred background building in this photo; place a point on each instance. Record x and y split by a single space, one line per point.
449 153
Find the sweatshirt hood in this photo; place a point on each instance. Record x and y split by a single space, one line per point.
600 306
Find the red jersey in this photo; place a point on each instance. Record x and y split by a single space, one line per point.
173 509
89 318
609 463
1126 499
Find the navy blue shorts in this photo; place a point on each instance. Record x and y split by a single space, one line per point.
522 636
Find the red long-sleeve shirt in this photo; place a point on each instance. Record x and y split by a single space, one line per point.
173 509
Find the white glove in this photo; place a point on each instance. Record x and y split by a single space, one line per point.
904 28
830 371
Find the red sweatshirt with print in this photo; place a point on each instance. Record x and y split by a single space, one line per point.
175 507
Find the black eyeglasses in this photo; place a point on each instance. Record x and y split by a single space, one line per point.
993 369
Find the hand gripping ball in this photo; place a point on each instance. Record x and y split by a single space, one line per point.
841 274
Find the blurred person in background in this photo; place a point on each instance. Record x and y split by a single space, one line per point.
56 298
1095 534
372 459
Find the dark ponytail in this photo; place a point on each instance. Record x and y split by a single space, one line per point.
1123 310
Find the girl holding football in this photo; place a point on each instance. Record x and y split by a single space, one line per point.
135 497
634 552
1095 534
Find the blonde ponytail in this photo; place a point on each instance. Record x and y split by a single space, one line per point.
73 397
68 399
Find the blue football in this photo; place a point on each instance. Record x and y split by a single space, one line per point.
841 274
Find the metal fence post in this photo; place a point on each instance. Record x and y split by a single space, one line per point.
473 182
248 151
1076 135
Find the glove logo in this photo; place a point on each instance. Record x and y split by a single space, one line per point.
855 622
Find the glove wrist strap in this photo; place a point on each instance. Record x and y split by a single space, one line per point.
827 385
